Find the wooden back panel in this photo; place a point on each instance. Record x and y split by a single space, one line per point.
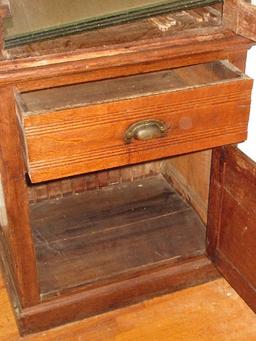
86 182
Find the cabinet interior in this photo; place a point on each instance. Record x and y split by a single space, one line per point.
101 227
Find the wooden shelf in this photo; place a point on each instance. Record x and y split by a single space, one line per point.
133 227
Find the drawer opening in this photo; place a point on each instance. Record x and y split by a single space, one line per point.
133 223
124 88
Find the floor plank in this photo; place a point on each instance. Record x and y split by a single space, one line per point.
209 312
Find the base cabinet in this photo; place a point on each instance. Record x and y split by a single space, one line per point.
141 239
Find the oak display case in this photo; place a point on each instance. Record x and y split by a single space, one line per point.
109 139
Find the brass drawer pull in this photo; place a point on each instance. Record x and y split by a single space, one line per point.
145 130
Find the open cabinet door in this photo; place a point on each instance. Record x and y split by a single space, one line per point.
231 234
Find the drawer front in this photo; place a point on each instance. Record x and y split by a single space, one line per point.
93 137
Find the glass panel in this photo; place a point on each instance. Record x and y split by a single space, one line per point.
34 20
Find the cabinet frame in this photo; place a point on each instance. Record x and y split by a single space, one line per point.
53 70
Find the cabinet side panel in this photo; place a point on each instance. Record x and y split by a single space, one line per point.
16 228
190 175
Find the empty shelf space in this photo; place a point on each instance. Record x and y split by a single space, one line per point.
114 232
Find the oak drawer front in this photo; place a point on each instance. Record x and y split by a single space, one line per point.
70 132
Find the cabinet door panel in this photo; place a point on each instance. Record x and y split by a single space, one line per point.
231 235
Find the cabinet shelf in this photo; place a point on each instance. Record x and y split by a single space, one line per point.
133 227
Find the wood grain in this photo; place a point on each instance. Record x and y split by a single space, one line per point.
157 26
240 16
183 316
123 88
4 12
82 183
47 20
82 304
162 255
141 52
135 57
231 229
66 142
140 226
18 244
190 175
187 183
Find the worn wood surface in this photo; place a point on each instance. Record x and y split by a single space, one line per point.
231 230
125 59
87 182
190 173
240 16
154 27
182 171
63 142
123 88
47 20
75 246
209 312
92 65
77 305
133 228
28 17
16 229
4 12
142 53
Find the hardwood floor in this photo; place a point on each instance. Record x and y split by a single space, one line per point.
208 312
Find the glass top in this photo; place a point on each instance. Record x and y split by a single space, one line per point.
34 20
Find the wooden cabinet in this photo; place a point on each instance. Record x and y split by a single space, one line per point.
93 209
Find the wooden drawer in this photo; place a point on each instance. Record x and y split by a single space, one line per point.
82 128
